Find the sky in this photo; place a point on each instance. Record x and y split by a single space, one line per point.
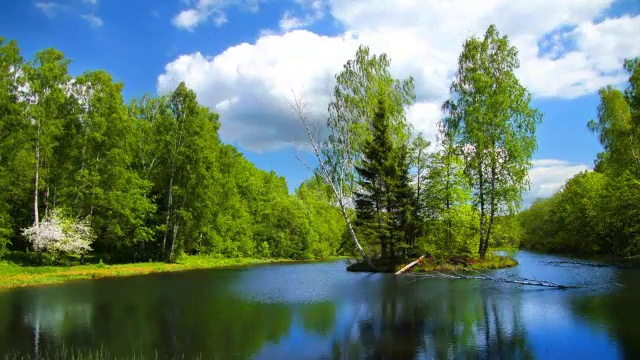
245 59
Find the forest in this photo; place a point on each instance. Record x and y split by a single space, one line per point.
85 172
597 212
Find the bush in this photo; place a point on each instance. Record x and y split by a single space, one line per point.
58 235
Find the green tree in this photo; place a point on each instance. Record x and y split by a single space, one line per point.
384 198
420 160
13 142
494 127
596 212
101 182
360 86
325 217
188 137
618 125
363 82
49 103
446 195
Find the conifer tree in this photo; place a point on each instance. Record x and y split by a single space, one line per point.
383 201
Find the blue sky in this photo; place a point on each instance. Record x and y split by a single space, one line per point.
244 57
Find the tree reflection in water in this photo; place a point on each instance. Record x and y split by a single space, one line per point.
447 319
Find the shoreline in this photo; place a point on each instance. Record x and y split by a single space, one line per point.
16 276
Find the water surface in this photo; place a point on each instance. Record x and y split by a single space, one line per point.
320 311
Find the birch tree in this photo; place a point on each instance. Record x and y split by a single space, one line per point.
333 172
495 126
188 137
47 81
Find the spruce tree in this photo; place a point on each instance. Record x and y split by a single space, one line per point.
383 202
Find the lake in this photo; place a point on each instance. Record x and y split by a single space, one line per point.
320 311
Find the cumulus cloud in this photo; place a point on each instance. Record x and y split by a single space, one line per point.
564 53
255 84
201 11
549 175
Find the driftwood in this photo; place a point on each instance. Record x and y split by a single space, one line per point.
581 263
410 265
481 276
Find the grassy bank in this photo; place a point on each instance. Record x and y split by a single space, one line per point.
13 275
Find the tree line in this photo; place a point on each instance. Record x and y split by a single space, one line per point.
151 179
147 180
597 211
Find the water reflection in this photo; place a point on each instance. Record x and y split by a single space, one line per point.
443 320
312 311
617 313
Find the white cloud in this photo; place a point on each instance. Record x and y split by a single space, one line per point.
289 22
421 40
549 175
220 19
189 19
201 11
424 117
50 9
252 85
314 10
608 41
93 20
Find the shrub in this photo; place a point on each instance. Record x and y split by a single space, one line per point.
58 235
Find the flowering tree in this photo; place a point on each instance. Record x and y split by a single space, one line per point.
58 235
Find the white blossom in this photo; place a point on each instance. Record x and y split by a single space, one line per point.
58 235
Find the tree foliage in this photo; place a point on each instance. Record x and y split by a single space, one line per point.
384 200
492 126
597 212
145 180
152 180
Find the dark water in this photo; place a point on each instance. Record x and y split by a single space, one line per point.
320 311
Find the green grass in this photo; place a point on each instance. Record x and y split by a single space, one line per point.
91 354
491 262
14 275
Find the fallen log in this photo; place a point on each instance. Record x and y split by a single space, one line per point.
410 265
481 276
580 263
